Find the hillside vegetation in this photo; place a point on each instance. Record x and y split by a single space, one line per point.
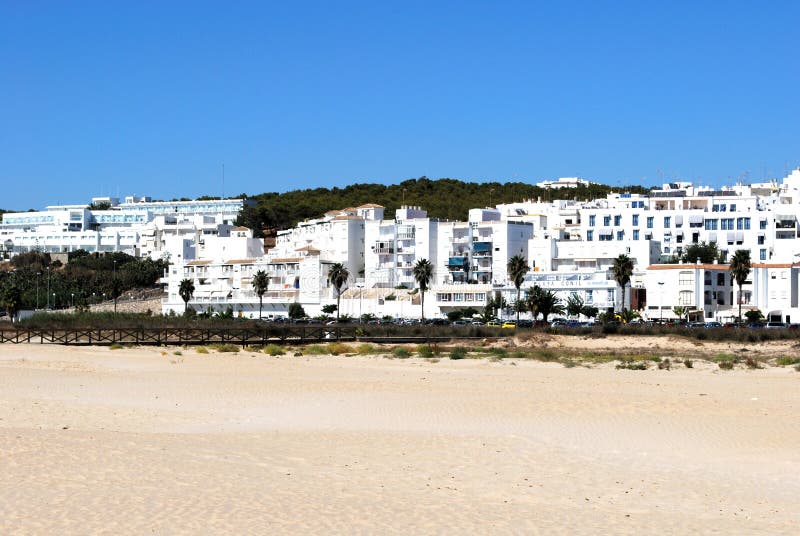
443 198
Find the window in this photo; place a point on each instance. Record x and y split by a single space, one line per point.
648 236
606 220
685 297
733 207
679 239
667 221
589 235
762 224
711 225
620 235
636 234
720 280
591 220
762 254
686 278
635 219
617 221
650 222
747 223
761 240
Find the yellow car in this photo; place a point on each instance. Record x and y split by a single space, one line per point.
509 325
493 324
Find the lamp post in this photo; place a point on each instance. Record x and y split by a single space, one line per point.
114 286
54 300
660 302
48 287
360 295
38 276
72 301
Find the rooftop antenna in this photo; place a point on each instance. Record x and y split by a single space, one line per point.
223 181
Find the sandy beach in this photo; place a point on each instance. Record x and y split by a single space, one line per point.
141 440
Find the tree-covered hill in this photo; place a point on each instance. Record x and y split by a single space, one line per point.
443 198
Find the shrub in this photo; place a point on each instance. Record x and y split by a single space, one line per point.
201 350
177 352
498 352
724 357
273 350
665 364
630 364
336 348
401 352
459 352
365 349
226 348
688 363
316 349
726 365
544 354
116 346
254 349
786 360
425 351
752 363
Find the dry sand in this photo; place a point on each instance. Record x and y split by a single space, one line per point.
136 441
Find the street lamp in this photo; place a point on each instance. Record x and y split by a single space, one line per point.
360 294
38 276
660 302
72 302
48 287
114 286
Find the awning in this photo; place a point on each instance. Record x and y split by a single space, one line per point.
678 220
712 237
695 218
731 237
605 231
739 236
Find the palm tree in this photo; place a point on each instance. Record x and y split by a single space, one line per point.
423 271
544 301
260 285
11 299
622 269
740 268
186 291
338 276
517 268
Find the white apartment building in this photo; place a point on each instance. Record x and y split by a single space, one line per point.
138 226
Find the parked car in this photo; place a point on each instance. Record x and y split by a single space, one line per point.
713 325
459 322
494 324
509 324
525 324
477 323
775 325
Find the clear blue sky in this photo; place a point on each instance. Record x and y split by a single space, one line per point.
151 98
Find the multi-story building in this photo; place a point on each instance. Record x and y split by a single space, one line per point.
139 226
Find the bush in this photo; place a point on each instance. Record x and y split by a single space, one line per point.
688 363
226 348
177 352
630 364
785 360
401 352
274 349
498 352
726 365
665 364
425 350
336 348
752 363
201 350
459 352
316 349
116 346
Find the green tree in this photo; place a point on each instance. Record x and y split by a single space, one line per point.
296 311
707 253
574 305
517 268
11 299
754 315
186 291
740 268
329 309
680 310
622 270
423 272
260 285
544 302
590 311
337 277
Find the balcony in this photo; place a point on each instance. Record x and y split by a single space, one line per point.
383 250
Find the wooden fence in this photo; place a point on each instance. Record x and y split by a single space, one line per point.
192 336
